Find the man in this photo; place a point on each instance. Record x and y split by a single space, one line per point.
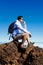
20 32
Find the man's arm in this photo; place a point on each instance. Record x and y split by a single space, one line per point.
24 30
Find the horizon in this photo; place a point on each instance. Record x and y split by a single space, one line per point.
31 10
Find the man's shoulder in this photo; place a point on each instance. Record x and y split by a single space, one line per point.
17 22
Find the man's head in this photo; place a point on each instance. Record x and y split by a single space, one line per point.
20 18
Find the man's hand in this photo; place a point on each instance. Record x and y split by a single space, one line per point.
30 35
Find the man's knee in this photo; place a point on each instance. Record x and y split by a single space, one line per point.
26 35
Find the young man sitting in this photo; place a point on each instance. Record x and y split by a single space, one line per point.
20 32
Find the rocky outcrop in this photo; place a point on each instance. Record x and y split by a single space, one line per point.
11 54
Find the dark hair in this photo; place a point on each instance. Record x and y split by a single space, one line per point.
19 17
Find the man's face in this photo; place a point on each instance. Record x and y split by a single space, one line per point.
21 20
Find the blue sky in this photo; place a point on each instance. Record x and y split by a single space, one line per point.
31 10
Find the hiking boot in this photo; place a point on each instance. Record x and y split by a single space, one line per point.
31 44
24 46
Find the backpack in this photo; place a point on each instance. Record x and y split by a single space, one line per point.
11 28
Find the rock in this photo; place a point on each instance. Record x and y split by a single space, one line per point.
11 54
